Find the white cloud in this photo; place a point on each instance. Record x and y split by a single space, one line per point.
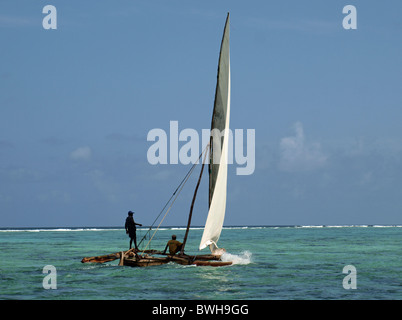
299 155
162 175
366 178
16 21
55 195
17 174
104 185
82 153
5 198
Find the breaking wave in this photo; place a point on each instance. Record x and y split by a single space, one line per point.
75 229
242 258
56 229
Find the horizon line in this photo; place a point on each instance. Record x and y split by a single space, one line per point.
89 228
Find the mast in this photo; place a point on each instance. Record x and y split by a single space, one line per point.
192 203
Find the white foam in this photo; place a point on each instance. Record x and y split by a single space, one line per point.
242 258
56 230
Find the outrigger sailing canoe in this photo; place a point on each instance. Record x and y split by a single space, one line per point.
218 156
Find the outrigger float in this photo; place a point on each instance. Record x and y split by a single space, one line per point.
218 159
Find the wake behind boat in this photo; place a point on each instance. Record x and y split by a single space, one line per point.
218 160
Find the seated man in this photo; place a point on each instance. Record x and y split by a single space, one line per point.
174 246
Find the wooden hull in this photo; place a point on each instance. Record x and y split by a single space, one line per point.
113 256
102 259
200 263
198 260
130 259
145 262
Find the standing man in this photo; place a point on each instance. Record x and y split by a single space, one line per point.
131 229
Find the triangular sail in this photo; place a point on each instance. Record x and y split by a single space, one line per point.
219 148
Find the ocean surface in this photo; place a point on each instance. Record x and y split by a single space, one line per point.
294 262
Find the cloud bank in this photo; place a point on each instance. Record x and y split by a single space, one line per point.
82 153
297 154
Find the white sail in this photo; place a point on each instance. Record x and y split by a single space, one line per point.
217 209
219 151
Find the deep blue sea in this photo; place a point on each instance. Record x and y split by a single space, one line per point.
294 262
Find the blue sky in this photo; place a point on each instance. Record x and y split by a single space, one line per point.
76 105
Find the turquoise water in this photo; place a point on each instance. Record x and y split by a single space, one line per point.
270 263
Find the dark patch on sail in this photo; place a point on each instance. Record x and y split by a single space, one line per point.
220 108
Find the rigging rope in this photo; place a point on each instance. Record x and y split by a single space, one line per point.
179 188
